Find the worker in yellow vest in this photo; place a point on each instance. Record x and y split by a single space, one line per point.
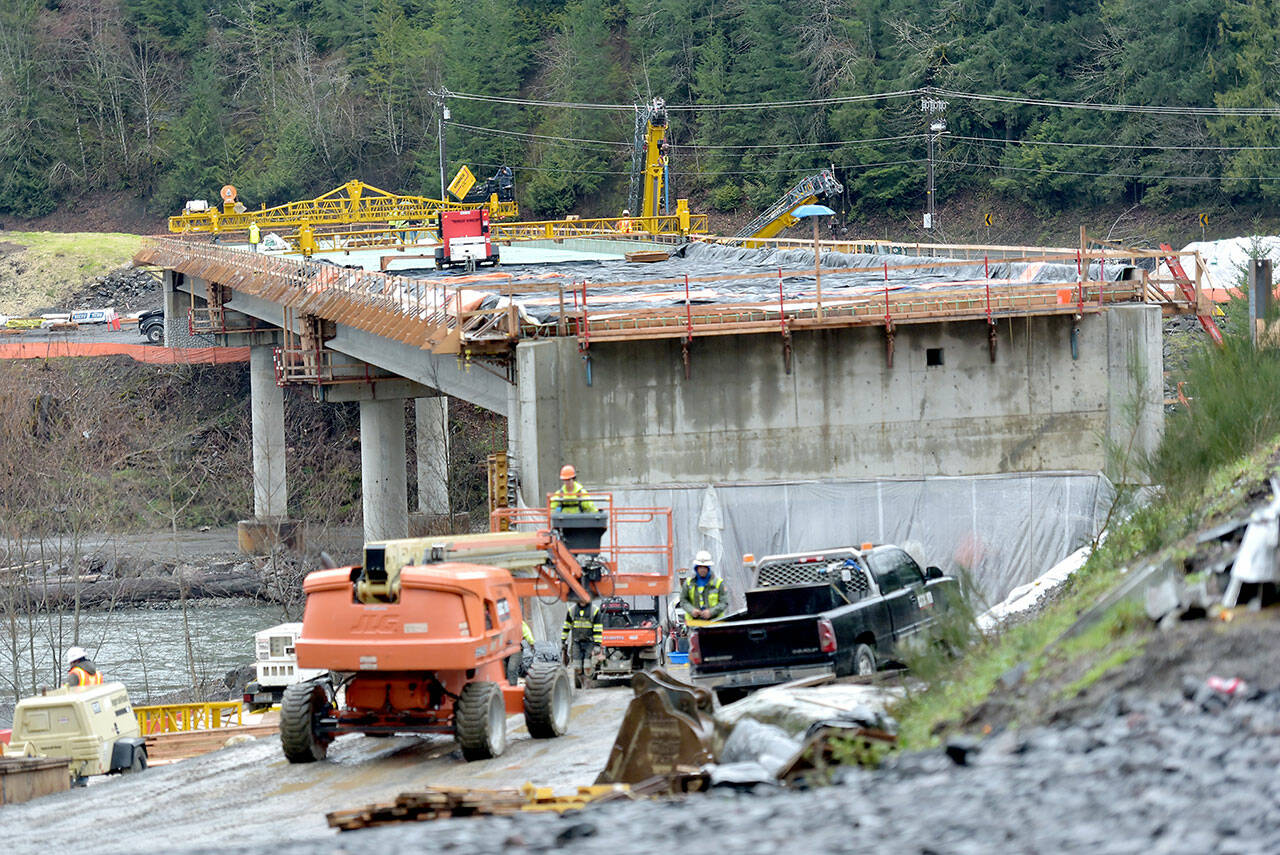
80 670
703 596
583 638
255 235
572 497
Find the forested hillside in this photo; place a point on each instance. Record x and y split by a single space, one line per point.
170 99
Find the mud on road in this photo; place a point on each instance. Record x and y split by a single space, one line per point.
250 795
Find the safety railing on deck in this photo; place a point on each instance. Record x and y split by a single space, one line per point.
443 316
176 718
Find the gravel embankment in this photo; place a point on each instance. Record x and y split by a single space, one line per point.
1137 776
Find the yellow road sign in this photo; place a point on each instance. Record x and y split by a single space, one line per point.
986 220
1204 220
462 183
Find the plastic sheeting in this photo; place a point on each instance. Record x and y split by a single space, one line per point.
1005 529
843 275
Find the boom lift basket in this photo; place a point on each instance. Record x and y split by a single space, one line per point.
581 533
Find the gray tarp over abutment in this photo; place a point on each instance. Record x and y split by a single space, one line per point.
1005 529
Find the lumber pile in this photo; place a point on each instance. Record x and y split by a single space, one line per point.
170 747
431 803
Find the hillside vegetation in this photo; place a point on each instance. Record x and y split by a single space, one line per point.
171 99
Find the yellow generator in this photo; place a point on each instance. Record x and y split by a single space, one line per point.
93 728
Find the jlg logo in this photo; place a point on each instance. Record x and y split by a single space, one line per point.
375 623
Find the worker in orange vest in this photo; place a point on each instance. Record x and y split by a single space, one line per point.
80 670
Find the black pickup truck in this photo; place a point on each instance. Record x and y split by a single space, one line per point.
838 611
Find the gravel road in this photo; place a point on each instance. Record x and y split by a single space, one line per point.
250 795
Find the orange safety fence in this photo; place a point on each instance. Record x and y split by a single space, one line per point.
148 353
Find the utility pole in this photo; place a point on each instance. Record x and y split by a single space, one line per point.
932 107
441 119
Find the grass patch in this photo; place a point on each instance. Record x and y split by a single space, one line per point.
51 266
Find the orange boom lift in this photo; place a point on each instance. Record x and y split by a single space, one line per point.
425 636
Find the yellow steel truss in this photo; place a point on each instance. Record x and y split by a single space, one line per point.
353 202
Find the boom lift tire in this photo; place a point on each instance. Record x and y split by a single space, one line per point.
300 710
480 721
548 699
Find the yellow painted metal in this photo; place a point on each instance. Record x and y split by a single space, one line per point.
353 202
462 183
175 718
545 799
655 163
782 223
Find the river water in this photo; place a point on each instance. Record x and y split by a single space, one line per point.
144 648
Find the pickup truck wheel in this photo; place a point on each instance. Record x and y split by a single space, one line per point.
864 661
548 698
480 721
303 706
155 335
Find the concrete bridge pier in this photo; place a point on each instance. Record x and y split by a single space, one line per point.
270 524
383 462
431 417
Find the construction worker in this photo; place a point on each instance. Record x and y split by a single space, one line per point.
624 224
703 596
255 235
572 497
583 637
80 670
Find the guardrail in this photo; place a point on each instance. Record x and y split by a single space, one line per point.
177 718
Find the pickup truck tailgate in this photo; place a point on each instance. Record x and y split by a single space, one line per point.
757 643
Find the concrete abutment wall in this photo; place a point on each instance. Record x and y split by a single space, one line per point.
943 409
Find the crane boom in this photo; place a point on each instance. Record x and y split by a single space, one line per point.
778 216
648 160
353 202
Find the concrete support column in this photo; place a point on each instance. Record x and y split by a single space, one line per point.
270 487
432 417
270 526
538 421
383 462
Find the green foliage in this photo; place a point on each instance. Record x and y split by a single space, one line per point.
1235 407
726 198
285 98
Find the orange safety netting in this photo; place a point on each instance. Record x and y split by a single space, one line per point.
138 352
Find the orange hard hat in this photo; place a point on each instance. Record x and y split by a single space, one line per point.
567 471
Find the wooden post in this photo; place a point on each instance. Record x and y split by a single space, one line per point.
817 265
1259 296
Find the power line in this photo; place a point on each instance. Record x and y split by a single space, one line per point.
1149 109
1110 174
690 108
1149 146
683 146
788 170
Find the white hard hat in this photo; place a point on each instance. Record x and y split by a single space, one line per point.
703 558
75 654
625 212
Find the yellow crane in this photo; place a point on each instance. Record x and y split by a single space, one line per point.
648 161
778 216
353 202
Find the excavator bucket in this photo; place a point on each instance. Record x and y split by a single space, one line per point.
668 727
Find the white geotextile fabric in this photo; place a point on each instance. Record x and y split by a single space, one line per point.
1006 529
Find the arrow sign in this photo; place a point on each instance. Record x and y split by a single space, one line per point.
986 220
1204 220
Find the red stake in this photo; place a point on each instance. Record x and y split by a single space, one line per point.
782 304
688 310
886 293
986 270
